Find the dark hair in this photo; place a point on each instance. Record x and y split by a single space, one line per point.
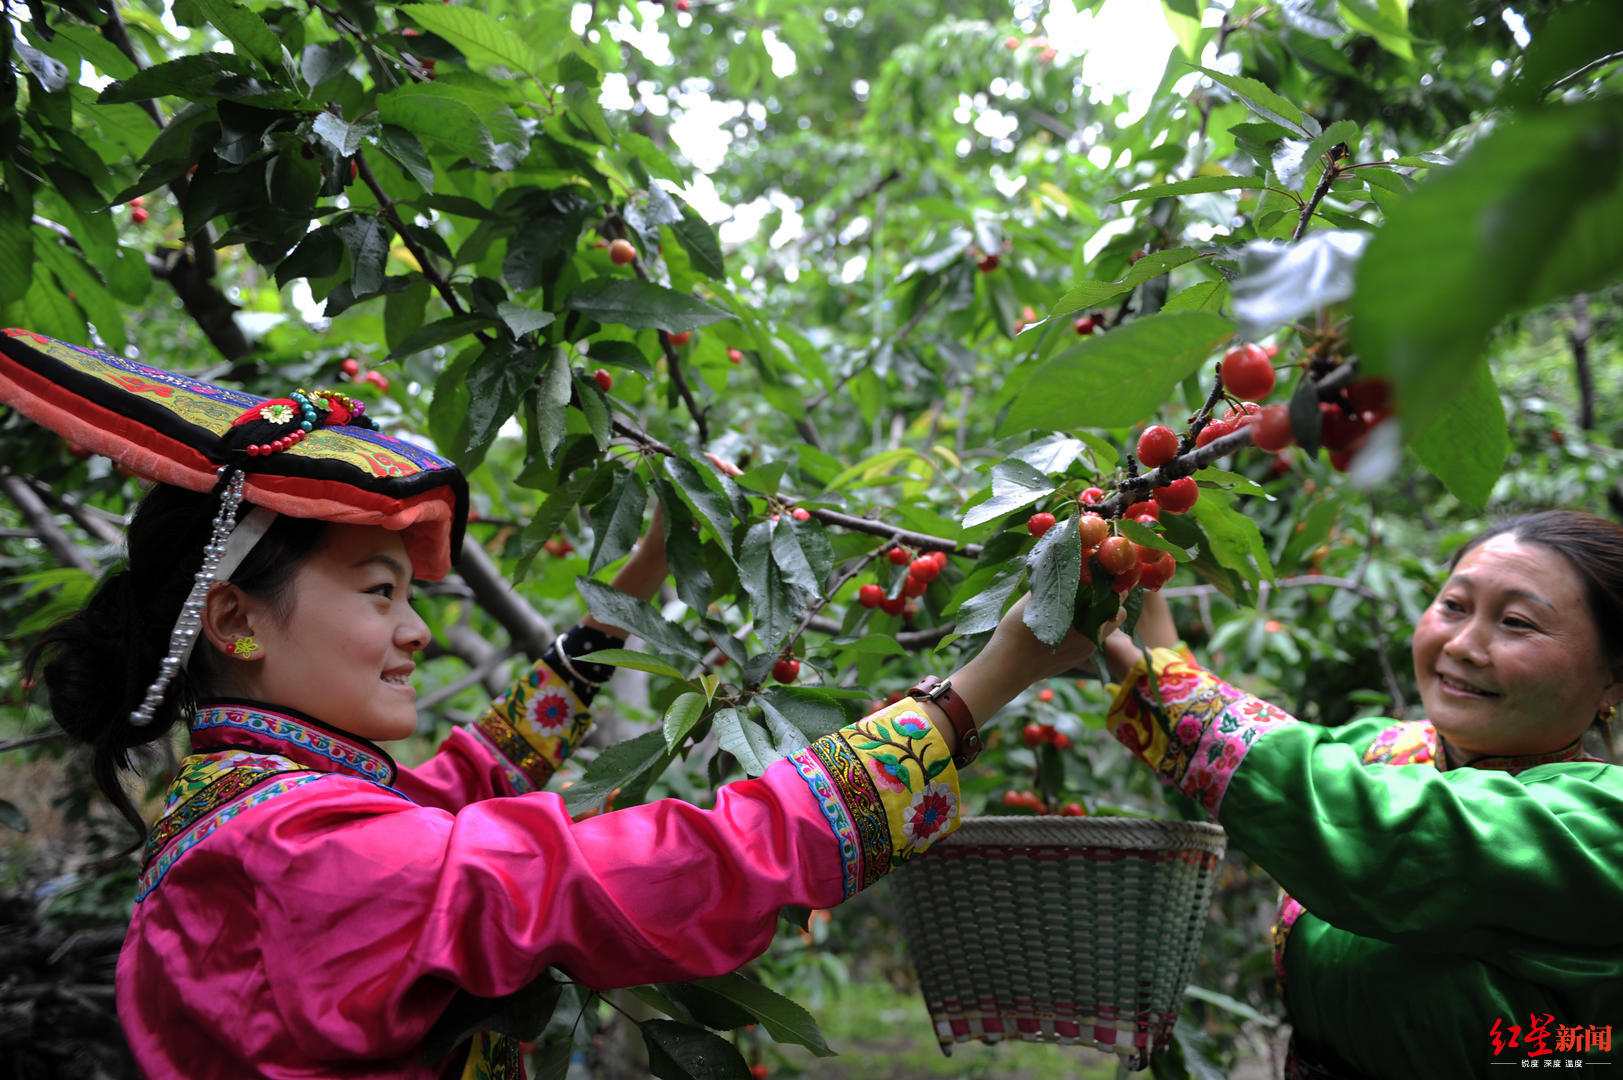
1593 547
98 663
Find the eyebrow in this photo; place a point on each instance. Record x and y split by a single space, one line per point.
389 562
1519 594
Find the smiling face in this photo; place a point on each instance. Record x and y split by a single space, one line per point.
343 653
1508 657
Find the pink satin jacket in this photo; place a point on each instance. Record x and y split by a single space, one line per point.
308 909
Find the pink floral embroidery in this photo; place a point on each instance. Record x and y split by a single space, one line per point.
933 810
550 714
885 775
911 724
1188 731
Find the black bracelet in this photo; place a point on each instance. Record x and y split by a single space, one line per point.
567 656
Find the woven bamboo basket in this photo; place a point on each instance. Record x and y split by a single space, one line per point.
1073 930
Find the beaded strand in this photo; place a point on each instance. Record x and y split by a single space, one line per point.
309 419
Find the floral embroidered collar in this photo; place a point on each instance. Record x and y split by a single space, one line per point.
226 723
1515 763
1416 742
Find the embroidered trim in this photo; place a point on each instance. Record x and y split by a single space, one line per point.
1289 911
844 767
155 871
816 775
535 725
493 1057
1407 742
1206 729
366 763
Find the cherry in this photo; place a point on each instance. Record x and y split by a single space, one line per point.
1149 508
734 356
893 605
899 556
914 587
1126 579
139 200
350 367
1092 529
870 596
1247 372
800 513
1242 415
1039 523
1073 809
940 558
786 670
558 547
1090 497
1178 496
924 569
680 338
1060 740
1034 735
683 5
411 31
1118 554
987 264
1045 694
1340 460
1337 430
377 379
759 1070
622 251
1157 446
1028 314
1084 325
139 216
1272 431
1369 395
1214 430
603 379
1156 569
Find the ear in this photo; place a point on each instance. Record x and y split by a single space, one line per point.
228 614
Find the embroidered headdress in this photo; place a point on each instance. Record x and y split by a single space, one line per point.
312 454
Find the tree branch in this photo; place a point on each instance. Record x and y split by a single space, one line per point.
38 516
529 629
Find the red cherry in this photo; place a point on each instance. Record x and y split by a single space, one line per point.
1178 496
1045 694
1369 395
924 568
1073 809
683 5
1090 497
139 200
869 596
622 251
350 367
800 513
1126 580
1118 554
786 670
1337 430
1214 430
940 558
411 31
1156 569
914 587
1060 740
1140 509
1340 460
377 379
1272 431
603 379
1013 800
139 216
893 605
734 356
681 337
1242 414
1247 372
987 264
354 170
1085 576
1092 529
1084 325
1157 446
1039 523
899 556
1034 735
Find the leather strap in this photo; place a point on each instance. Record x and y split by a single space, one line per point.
940 692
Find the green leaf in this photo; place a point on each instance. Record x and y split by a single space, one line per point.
787 738
1090 294
544 523
1232 537
407 151
984 609
617 519
438 333
522 1015
1144 536
11 817
1572 37
1206 296
637 661
367 238
1119 378
552 401
698 239
245 30
775 601
790 558
1056 564
16 253
642 305
745 740
614 768
479 36
1190 187
1533 212
522 320
1014 485
495 381
1466 441
680 718
783 1019
615 608
708 503
812 712
1387 21
438 118
681 1052
194 76
344 138
87 289
1265 103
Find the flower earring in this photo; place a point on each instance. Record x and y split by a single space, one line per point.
1606 715
246 648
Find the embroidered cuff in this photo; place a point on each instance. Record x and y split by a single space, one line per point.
1201 731
887 786
534 726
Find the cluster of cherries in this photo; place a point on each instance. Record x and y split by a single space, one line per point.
1030 800
920 572
1128 564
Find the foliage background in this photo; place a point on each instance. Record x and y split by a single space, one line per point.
430 188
